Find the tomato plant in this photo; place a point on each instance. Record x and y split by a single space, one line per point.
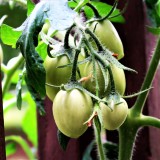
54 75
108 36
70 107
113 119
84 79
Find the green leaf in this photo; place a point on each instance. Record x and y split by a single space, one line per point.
30 7
29 122
111 150
104 9
153 12
9 35
42 49
38 100
153 30
10 149
62 139
35 72
87 153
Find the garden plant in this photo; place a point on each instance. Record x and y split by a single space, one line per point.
73 57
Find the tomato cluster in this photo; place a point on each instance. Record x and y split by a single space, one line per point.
73 107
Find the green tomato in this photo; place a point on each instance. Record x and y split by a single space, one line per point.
119 79
90 83
56 76
71 109
114 119
108 36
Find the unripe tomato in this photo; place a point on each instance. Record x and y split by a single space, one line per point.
114 119
119 79
108 36
54 75
90 83
70 110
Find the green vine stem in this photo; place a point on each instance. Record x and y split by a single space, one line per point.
95 38
97 131
19 140
9 73
74 68
141 99
135 118
66 38
80 5
127 134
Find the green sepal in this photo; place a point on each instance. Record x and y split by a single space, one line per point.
63 140
107 55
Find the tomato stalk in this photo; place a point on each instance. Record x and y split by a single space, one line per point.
9 73
97 125
97 131
96 13
74 67
127 133
66 38
135 118
141 99
99 46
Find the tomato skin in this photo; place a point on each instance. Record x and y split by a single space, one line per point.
108 36
56 76
90 83
70 110
114 119
119 79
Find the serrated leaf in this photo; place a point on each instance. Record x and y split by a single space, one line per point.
62 139
10 149
50 10
9 36
36 97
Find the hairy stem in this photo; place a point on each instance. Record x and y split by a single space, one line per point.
139 104
97 131
127 135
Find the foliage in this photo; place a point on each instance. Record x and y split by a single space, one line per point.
35 44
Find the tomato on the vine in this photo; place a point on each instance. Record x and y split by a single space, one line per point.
119 79
108 36
71 109
90 83
114 119
56 76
